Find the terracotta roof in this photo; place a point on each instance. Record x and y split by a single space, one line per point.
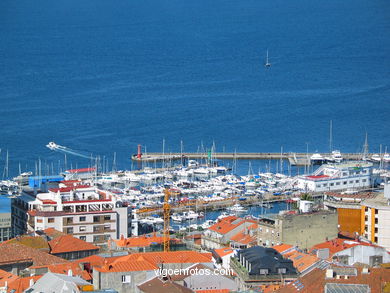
93 260
68 243
339 244
31 241
14 252
226 224
151 260
53 233
6 277
221 252
315 281
158 285
141 241
301 261
243 238
21 284
64 269
282 247
213 291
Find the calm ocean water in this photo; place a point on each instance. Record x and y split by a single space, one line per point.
102 76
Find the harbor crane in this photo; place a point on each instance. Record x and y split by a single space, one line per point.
167 209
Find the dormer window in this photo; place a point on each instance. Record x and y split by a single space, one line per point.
282 270
263 272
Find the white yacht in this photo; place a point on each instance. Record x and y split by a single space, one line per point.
317 159
386 157
376 158
237 208
335 157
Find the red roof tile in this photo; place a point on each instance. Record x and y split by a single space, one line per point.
6 277
68 243
14 252
226 224
301 261
282 247
221 252
64 269
338 244
21 284
151 260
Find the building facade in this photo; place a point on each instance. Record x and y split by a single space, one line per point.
350 175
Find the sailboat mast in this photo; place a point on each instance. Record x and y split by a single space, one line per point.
330 137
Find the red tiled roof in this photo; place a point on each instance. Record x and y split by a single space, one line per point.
282 247
338 244
315 281
51 232
224 251
243 237
151 260
6 277
213 291
14 252
301 261
21 284
93 260
81 170
64 269
68 243
225 225
48 201
141 241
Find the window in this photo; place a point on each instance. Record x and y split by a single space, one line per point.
126 279
331 184
337 183
82 228
69 230
345 182
96 238
107 237
282 270
357 181
107 218
107 227
376 220
350 181
96 228
364 180
39 220
263 271
96 219
83 238
50 220
82 219
69 220
325 185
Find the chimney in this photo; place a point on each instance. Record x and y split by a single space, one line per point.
365 271
70 273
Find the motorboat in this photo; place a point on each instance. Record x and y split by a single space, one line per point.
334 157
386 157
207 224
177 217
52 145
317 159
376 158
237 208
224 215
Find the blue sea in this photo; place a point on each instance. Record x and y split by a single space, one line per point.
101 77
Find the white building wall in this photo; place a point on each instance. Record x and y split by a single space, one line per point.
384 228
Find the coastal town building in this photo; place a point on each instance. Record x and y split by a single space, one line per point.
340 279
84 211
5 219
341 176
257 267
221 233
375 220
302 230
125 273
349 211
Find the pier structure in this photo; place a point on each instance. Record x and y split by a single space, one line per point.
238 156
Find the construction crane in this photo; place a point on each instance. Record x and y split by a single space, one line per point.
167 209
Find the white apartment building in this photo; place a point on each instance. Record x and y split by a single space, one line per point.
84 211
342 176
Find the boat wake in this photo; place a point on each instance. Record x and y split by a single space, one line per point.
59 148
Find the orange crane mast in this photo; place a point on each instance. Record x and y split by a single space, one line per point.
167 209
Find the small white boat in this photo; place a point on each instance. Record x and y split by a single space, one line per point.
376 158
317 159
224 215
267 63
386 157
237 208
207 224
335 157
177 217
52 145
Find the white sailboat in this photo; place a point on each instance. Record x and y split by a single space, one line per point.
267 63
